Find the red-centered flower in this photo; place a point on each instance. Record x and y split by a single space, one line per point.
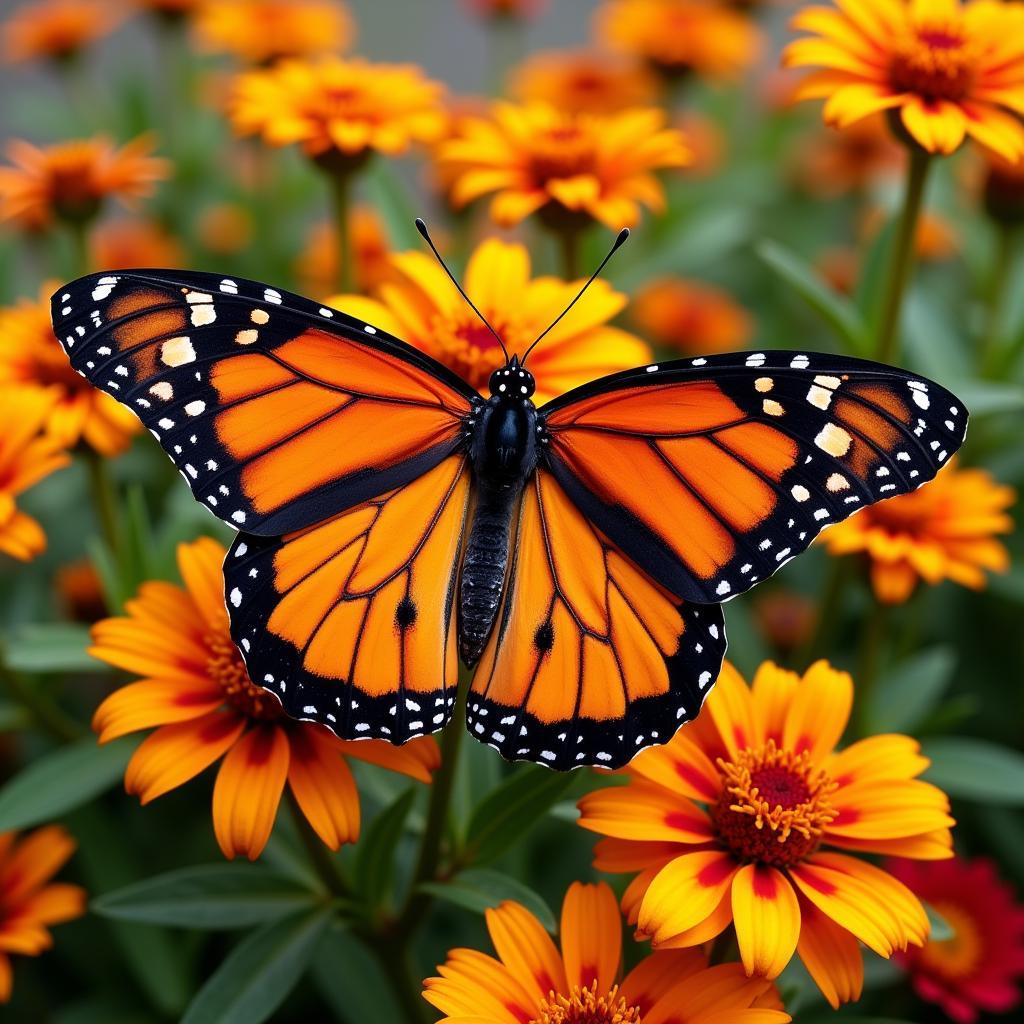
196 691
980 969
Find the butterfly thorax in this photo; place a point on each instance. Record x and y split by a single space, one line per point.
504 454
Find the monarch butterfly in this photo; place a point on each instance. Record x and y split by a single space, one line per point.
391 519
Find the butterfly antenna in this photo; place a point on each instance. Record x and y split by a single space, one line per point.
421 227
619 240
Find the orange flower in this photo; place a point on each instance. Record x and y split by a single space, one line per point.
935 238
197 692
225 228
691 317
501 9
57 29
31 359
944 530
172 10
533 980
72 180
124 244
706 37
262 31
584 81
26 456
729 823
318 265
420 306
574 167
947 69
80 590
784 618
346 108
28 906
1002 188
836 163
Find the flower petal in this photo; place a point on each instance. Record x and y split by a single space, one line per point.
938 125
644 811
591 934
831 955
767 919
819 711
35 858
475 987
526 949
201 565
153 702
323 786
419 758
658 972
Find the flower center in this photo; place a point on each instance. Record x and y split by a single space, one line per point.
469 349
774 805
959 956
584 1006
74 192
224 665
937 63
562 152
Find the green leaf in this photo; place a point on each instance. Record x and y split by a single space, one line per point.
259 972
911 690
976 770
351 981
60 781
480 889
50 647
375 852
986 398
207 896
507 813
834 309
941 929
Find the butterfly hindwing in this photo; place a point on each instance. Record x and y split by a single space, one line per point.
713 473
278 412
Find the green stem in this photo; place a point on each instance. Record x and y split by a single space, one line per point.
341 186
44 712
887 345
569 242
828 615
867 668
996 299
319 855
79 232
104 496
398 969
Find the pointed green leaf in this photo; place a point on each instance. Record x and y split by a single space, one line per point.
375 851
976 770
480 889
50 647
910 691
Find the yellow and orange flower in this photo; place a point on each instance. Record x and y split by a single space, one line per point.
72 180
945 530
346 107
420 306
197 693
584 81
29 902
31 360
947 69
578 166
691 317
318 267
124 244
26 456
677 37
730 822
532 979
57 29
263 31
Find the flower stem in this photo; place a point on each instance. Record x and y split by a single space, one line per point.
1006 250
569 241
341 187
104 496
867 668
887 345
47 715
399 971
828 615
79 231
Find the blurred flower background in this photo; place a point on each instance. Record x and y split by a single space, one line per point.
841 838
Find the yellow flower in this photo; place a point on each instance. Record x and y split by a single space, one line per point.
29 902
578 166
262 31
31 360
584 81
946 69
420 306
197 693
318 267
26 456
339 107
534 980
731 821
706 37
125 244
57 29
944 530
72 180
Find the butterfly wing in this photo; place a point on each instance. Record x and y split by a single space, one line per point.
277 411
712 473
591 660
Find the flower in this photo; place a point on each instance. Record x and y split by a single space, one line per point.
57 29
531 979
420 306
171 10
31 359
691 317
346 108
262 31
225 228
72 180
318 265
944 530
935 238
832 164
1002 189
784 618
123 244
497 10
676 37
28 905
80 591
731 820
26 456
197 693
979 969
946 68
567 167
584 81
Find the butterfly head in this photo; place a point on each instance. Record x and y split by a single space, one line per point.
512 381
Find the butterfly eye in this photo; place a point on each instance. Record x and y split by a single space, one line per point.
512 381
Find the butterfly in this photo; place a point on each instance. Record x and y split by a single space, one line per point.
392 520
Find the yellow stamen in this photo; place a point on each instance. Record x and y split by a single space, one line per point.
584 1006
